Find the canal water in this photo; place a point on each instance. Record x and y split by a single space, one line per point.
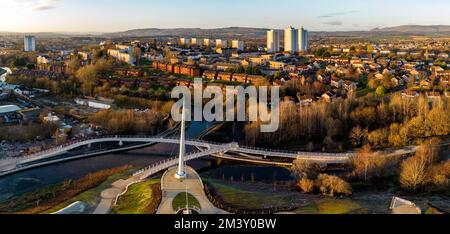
33 179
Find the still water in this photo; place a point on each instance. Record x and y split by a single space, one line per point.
27 181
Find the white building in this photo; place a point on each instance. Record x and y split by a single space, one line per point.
4 71
185 41
273 41
29 43
123 53
291 40
221 43
236 44
105 104
303 39
43 59
207 42
51 117
193 41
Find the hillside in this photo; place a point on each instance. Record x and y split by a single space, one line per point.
415 29
231 32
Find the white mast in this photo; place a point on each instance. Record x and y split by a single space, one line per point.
181 174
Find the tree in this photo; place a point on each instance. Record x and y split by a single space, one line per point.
73 64
440 174
413 173
102 65
358 135
240 69
87 75
414 170
372 84
380 91
379 138
137 54
20 62
31 66
363 162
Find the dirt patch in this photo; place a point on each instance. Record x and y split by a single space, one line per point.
156 199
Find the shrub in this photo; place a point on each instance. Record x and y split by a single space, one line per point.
332 185
413 173
304 169
306 185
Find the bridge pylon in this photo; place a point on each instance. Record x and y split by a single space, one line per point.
181 172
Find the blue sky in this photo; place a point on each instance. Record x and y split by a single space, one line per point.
118 15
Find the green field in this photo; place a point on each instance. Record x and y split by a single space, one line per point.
329 206
248 199
180 201
137 199
91 196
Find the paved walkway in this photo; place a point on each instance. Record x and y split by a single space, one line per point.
171 187
109 195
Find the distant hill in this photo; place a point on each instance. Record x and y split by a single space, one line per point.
243 32
230 32
37 34
415 29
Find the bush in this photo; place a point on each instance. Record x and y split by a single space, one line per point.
306 185
424 168
304 169
439 174
413 173
332 185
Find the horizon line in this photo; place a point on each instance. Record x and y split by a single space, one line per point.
212 28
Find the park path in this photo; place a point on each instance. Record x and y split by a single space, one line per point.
108 196
171 187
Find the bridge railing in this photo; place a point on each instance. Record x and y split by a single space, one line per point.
86 141
298 153
268 150
53 149
162 165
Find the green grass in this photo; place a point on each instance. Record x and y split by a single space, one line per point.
180 201
137 198
91 196
308 209
329 206
248 199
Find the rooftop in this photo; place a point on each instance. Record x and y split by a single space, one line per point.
9 109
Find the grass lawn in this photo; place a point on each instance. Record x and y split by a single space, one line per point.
308 209
248 199
329 206
91 196
137 198
180 201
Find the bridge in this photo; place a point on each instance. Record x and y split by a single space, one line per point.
12 165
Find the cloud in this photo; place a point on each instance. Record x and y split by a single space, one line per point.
35 5
334 23
337 14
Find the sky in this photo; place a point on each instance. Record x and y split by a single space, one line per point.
121 15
